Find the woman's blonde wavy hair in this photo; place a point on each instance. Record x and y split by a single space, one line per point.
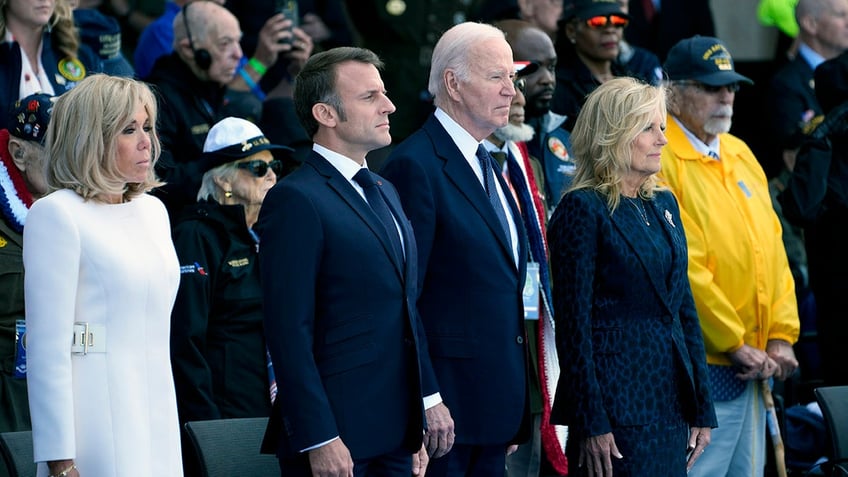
83 134
63 32
613 116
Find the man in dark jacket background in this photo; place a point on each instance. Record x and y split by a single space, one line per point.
817 198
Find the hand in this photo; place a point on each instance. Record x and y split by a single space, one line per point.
439 436
511 449
268 46
315 27
699 438
752 362
784 357
419 462
331 460
595 452
56 467
301 50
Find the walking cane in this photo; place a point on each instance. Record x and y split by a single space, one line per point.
774 428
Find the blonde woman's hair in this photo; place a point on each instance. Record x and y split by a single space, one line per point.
63 32
613 116
83 134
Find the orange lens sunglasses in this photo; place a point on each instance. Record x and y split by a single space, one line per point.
603 21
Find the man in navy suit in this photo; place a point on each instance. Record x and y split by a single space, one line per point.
472 255
822 35
338 266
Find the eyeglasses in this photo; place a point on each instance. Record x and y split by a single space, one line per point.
259 167
603 21
520 84
731 88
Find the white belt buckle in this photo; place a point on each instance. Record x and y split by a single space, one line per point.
88 338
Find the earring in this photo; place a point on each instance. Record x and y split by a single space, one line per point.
228 193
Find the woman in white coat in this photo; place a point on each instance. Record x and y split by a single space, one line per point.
101 278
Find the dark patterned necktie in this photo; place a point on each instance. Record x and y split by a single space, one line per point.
489 184
378 204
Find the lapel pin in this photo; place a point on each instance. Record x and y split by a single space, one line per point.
667 215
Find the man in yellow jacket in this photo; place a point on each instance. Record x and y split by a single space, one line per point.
740 277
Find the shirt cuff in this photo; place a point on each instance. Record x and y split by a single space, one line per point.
432 400
318 445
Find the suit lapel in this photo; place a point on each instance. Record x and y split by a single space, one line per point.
409 247
676 238
345 190
653 272
462 176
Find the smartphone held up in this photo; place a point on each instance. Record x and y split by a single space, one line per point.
289 9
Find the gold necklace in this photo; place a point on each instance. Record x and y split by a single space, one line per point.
640 209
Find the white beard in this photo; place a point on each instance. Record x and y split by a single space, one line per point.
715 126
515 133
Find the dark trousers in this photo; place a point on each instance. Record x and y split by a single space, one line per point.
393 464
470 461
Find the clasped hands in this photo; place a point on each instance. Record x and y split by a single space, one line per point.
777 360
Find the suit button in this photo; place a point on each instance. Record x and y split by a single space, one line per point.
519 339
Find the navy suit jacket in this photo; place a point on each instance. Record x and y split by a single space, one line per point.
471 289
621 323
340 318
792 94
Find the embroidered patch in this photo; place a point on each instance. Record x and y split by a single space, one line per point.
199 129
193 268
557 147
239 262
71 69
3 242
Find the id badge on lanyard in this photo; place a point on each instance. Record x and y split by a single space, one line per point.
531 292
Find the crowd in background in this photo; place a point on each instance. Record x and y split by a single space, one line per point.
226 99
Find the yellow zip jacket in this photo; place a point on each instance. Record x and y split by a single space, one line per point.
740 277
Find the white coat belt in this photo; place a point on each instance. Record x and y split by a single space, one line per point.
88 338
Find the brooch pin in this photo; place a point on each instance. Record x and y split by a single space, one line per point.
668 218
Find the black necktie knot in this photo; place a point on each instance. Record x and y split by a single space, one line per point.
364 178
378 204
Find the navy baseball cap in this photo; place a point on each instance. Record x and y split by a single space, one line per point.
30 117
584 9
103 35
703 59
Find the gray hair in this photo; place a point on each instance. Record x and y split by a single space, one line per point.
453 52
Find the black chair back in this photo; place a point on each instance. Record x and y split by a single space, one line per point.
230 448
833 401
16 448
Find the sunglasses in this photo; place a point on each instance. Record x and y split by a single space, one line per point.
603 21
259 167
732 87
520 85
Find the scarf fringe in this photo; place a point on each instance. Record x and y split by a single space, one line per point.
15 198
553 436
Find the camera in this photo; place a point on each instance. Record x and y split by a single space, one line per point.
289 9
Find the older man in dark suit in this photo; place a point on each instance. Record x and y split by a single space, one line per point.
472 254
792 99
338 264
